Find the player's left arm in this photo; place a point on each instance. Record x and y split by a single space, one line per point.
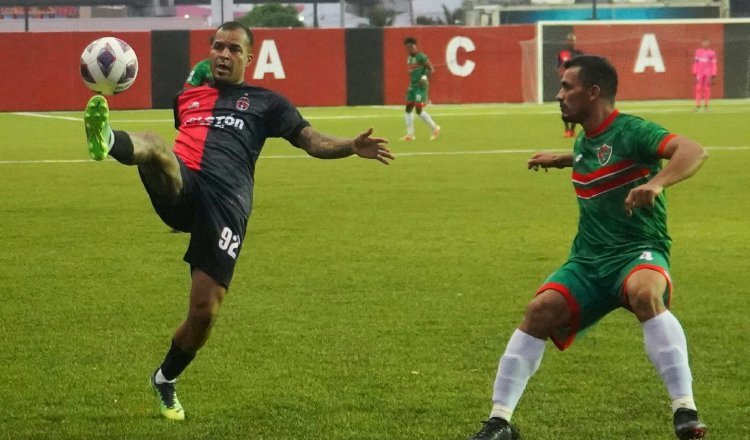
325 146
429 69
685 158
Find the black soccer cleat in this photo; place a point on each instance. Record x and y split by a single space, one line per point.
687 425
497 428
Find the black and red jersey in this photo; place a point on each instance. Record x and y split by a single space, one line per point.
222 131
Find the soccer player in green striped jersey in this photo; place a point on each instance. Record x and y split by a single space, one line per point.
420 70
620 255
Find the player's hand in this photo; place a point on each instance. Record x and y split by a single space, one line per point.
543 160
372 147
642 196
424 81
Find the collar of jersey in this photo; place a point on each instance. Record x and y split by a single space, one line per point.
604 125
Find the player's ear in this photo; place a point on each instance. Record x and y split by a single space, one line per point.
595 92
249 57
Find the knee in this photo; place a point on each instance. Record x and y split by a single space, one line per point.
546 313
154 143
539 310
645 302
203 314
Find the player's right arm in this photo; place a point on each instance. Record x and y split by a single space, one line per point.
546 159
324 146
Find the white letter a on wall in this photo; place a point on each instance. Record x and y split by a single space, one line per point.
649 55
269 61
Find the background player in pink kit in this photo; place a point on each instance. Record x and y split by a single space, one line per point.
704 70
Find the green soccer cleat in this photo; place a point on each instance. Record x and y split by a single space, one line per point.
98 132
168 404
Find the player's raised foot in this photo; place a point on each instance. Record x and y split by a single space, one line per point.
168 404
497 428
408 137
98 132
687 425
435 133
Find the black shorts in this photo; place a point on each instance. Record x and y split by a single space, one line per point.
217 229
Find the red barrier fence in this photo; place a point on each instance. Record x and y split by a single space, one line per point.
309 66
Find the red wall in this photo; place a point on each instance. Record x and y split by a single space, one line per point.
44 73
314 63
677 44
497 72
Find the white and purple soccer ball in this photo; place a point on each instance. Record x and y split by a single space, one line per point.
108 66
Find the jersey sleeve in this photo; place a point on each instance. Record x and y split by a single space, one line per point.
650 139
200 74
284 120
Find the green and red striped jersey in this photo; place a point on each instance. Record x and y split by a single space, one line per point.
621 154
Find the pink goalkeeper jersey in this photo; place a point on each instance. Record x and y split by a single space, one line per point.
704 63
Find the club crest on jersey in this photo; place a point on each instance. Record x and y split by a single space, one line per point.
243 103
604 154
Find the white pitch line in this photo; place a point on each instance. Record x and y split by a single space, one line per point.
40 115
397 154
388 115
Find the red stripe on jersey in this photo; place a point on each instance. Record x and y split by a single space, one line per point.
604 125
602 172
663 144
194 106
587 193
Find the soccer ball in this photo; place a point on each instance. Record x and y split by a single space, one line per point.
108 66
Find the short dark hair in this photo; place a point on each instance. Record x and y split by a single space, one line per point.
234 25
596 71
410 40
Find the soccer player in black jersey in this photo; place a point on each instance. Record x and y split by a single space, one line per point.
204 185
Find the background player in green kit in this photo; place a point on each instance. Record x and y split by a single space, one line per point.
420 70
200 74
620 255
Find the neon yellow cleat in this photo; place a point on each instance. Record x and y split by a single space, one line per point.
435 133
98 132
168 404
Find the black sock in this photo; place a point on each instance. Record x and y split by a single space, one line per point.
122 149
175 362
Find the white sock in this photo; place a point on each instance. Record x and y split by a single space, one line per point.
425 117
160 379
410 124
667 348
519 362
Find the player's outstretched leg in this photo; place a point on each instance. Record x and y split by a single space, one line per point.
168 404
98 131
687 425
497 428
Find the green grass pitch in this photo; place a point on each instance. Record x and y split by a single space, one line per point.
370 302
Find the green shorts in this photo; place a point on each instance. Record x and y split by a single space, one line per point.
592 290
416 95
